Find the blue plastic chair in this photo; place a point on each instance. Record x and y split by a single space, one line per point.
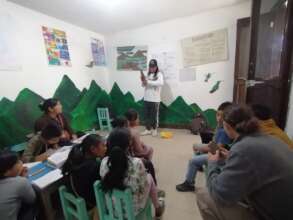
104 119
117 205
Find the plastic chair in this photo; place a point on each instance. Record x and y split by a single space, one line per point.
104 119
18 147
117 205
73 207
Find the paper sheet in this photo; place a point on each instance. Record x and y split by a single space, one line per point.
48 178
206 48
167 64
9 47
187 75
59 158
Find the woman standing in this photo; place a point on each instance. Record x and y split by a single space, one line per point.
152 83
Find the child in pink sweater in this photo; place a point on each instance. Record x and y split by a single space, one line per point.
138 148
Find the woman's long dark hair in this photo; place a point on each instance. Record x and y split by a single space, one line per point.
118 144
48 103
242 119
79 152
153 62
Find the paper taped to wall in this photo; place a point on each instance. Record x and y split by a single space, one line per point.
9 58
167 64
206 48
187 75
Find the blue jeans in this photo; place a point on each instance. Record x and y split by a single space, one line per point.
196 162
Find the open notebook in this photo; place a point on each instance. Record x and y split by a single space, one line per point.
42 174
59 157
48 179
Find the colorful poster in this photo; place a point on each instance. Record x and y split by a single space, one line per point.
132 58
56 47
98 52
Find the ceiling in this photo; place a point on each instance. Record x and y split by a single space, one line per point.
108 16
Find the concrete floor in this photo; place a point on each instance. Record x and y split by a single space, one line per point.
170 159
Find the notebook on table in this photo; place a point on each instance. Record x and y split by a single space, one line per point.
43 174
59 157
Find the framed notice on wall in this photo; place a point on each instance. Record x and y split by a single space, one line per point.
206 48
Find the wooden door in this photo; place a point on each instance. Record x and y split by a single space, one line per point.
267 79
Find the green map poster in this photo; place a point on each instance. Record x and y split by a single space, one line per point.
132 58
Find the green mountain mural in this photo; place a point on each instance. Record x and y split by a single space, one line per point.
84 116
68 94
18 120
17 117
5 105
121 103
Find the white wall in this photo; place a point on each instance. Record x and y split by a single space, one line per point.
35 73
167 36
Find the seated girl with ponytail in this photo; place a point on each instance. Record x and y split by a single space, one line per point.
122 122
82 166
120 170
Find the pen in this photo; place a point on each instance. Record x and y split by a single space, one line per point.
37 172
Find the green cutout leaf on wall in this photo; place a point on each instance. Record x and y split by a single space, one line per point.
215 87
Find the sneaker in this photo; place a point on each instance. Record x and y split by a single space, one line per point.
146 132
154 132
185 187
160 210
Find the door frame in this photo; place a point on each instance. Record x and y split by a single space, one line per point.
242 22
286 65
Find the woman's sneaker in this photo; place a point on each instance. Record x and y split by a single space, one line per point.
146 132
154 133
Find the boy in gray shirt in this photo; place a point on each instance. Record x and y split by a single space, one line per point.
15 189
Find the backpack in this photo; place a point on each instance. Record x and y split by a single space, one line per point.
198 124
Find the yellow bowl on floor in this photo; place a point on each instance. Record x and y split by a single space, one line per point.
166 134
